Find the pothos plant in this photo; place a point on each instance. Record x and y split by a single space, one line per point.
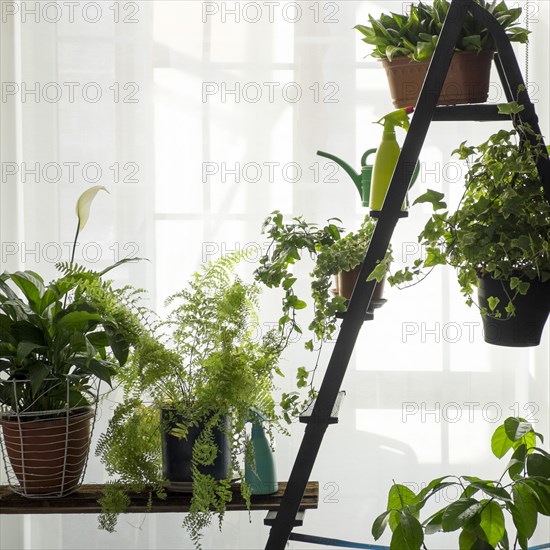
331 252
415 34
478 513
205 365
501 228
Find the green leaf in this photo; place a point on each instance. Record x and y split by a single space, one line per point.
538 465
78 320
492 522
38 372
512 108
400 496
460 512
524 514
496 492
493 302
434 523
434 198
24 349
516 428
500 442
408 535
380 524
31 284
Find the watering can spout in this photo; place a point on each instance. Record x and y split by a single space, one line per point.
362 181
347 168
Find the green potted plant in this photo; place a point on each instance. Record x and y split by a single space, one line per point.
406 42
478 512
334 256
189 396
498 239
56 347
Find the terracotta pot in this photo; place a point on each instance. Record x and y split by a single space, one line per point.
47 456
466 82
346 282
532 310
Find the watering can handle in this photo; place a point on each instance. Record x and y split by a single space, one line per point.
366 154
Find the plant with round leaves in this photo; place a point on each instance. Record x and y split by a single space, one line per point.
478 512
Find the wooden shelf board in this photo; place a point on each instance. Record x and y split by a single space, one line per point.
84 501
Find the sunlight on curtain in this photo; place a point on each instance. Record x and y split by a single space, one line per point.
205 126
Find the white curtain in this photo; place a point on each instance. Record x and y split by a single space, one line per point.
201 118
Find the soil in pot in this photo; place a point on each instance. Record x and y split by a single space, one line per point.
526 327
47 456
467 80
177 453
346 282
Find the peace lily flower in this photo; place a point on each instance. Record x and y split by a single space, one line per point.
83 206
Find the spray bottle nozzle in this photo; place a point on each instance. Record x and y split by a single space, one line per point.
396 118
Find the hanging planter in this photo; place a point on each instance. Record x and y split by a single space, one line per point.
467 80
525 328
45 453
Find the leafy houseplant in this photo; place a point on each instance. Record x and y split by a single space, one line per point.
205 376
332 254
478 512
499 237
55 345
406 42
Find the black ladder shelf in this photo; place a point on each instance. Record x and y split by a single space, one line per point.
324 410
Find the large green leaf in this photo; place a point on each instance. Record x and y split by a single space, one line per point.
460 512
38 372
538 465
24 331
500 442
492 522
31 284
408 535
380 524
400 496
524 513
516 428
78 320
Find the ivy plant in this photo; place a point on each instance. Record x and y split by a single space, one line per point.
332 252
416 33
501 227
478 513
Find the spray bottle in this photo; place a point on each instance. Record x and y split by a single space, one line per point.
387 156
262 476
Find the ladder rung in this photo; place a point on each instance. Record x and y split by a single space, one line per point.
272 515
478 112
377 213
307 417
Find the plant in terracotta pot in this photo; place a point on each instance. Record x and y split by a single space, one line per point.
406 42
478 511
56 347
333 255
498 239
189 388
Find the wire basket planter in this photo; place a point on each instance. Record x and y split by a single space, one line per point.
45 453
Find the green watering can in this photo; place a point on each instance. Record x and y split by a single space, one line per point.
363 180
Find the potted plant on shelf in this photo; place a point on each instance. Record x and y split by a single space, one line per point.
499 237
334 256
188 397
406 42
55 345
478 512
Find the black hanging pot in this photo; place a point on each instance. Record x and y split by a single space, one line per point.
532 309
177 453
